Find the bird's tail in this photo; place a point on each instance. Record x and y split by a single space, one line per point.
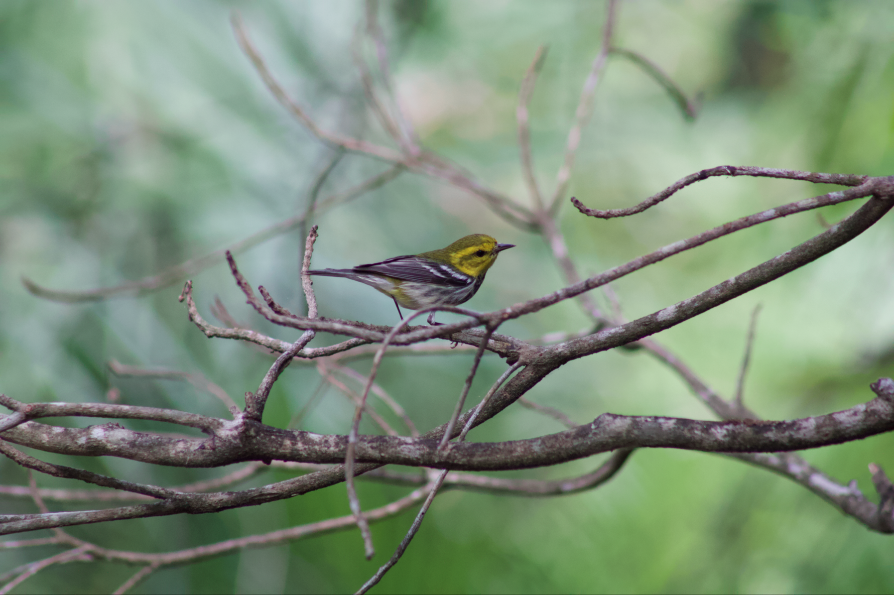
376 281
349 273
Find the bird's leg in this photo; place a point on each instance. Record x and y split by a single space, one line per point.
398 309
431 320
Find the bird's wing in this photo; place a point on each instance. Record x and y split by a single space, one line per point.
418 270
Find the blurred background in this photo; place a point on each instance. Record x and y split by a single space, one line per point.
135 136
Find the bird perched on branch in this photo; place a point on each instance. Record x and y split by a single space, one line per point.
446 277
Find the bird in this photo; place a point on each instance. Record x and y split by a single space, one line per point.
446 277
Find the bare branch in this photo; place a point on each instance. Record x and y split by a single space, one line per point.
548 411
355 426
848 499
314 192
409 141
306 283
689 108
30 462
378 419
553 236
584 108
524 130
723 170
275 345
195 379
174 274
384 396
110 411
417 522
76 554
448 433
330 138
608 432
885 491
369 90
740 383
138 577
254 403
708 396
424 163
801 255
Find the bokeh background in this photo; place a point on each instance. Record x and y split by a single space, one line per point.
136 135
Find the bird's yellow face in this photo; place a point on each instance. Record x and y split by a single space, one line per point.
471 255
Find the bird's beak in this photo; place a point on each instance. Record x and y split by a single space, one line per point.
501 247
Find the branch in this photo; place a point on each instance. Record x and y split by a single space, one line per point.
584 108
330 138
174 274
424 163
524 130
610 338
110 411
607 432
197 380
723 170
770 270
255 402
689 108
746 359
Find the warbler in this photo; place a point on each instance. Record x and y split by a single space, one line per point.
449 276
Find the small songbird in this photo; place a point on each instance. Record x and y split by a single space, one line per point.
449 276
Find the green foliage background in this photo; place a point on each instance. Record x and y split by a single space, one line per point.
134 136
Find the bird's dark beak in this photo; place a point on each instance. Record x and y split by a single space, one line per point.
501 247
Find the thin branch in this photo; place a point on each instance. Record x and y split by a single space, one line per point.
423 163
848 499
174 274
548 411
708 396
110 411
330 138
273 305
138 577
524 130
448 433
783 264
23 543
314 192
195 379
306 283
342 387
369 90
542 488
417 522
112 495
688 107
76 554
550 231
409 140
801 255
275 345
355 427
254 403
30 462
723 170
384 396
158 560
584 109
746 359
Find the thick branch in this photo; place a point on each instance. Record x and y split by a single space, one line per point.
608 432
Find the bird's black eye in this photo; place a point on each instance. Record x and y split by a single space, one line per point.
480 253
